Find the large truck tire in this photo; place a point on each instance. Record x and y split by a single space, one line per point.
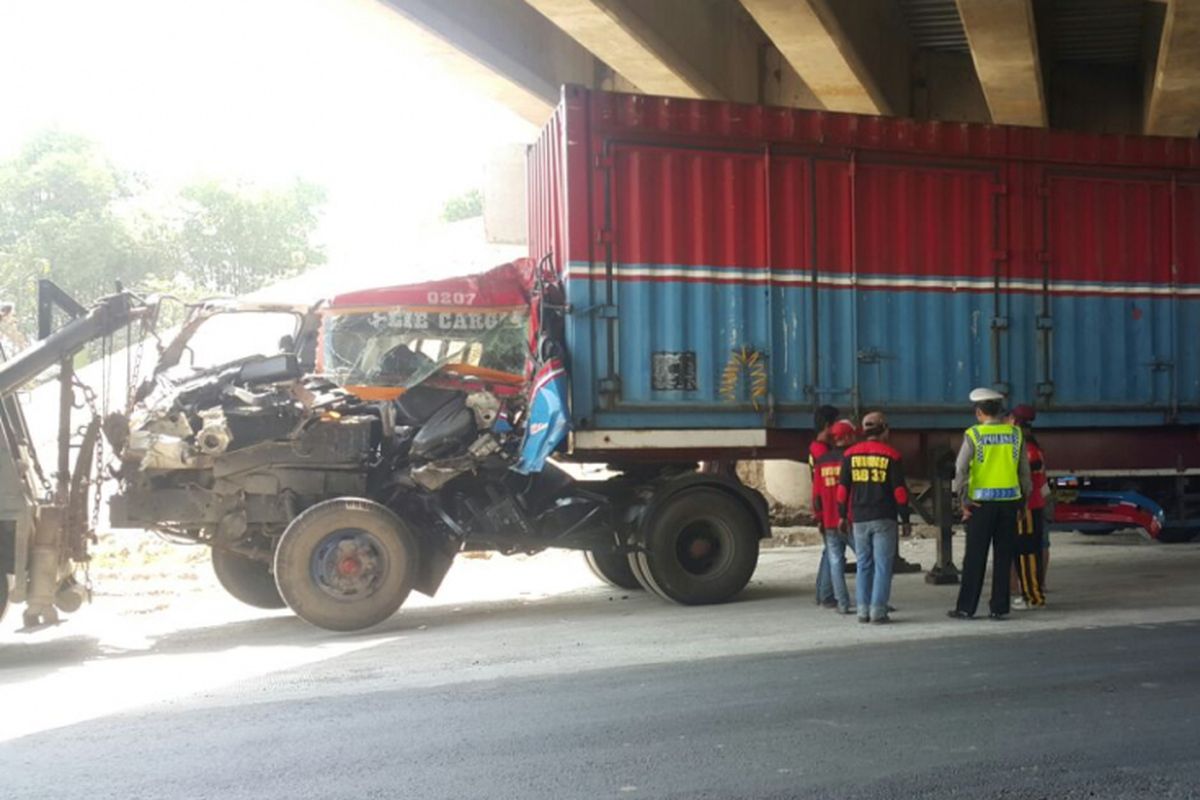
700 547
246 579
346 564
613 569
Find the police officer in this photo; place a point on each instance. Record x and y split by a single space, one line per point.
993 482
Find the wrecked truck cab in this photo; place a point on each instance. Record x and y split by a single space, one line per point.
379 343
222 355
217 334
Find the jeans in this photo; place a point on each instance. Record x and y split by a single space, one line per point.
824 583
875 544
835 556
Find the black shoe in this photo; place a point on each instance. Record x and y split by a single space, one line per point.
954 613
997 617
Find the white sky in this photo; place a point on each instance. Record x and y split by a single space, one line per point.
262 90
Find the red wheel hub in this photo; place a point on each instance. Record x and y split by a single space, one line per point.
349 567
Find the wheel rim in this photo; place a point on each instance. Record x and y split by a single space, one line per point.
349 564
703 547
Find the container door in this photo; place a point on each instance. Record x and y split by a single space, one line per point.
929 317
1112 318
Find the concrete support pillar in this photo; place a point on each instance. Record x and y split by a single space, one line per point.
1003 39
505 210
505 48
616 33
1173 104
789 482
853 56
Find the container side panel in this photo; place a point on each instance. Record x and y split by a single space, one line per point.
869 262
1107 236
932 231
1187 302
689 243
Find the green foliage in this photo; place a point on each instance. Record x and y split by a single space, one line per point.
59 204
236 240
464 206
69 214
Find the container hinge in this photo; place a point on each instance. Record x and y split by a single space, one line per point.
999 323
604 236
610 385
999 188
1045 389
603 161
605 311
1044 322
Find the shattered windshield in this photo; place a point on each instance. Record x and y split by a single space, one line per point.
232 335
402 347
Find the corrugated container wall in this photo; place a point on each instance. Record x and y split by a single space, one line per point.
732 266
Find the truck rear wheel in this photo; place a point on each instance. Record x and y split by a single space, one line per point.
612 568
246 579
346 564
701 547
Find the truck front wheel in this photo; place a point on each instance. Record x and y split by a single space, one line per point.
700 547
612 568
246 579
346 564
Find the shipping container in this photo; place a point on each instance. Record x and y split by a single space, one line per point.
728 268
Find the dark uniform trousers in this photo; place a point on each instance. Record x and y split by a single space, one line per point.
1030 530
994 524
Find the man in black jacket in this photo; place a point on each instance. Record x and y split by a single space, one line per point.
872 493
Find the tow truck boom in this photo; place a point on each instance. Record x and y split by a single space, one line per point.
44 531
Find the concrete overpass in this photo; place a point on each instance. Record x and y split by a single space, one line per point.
1111 66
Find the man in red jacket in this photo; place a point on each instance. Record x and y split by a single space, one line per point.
823 421
872 492
826 471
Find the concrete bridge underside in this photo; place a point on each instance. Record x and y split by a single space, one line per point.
1109 66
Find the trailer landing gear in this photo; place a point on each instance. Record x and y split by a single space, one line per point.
944 572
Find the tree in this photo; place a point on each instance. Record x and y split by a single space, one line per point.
62 217
69 214
464 206
236 240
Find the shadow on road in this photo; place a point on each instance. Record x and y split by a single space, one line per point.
580 606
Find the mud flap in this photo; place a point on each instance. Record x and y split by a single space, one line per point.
436 560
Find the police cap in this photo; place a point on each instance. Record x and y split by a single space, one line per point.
983 394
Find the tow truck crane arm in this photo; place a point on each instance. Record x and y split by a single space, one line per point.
44 532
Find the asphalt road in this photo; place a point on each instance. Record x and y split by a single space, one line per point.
1095 713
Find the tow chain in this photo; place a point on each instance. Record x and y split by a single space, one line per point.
95 481
135 374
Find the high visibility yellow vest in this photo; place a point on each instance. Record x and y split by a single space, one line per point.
995 469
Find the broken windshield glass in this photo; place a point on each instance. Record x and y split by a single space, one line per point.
402 347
